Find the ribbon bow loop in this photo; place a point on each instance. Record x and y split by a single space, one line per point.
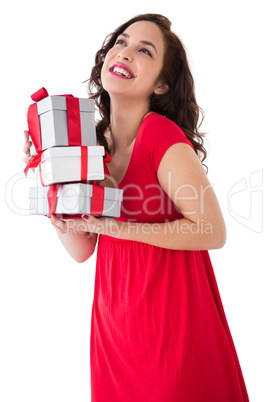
39 95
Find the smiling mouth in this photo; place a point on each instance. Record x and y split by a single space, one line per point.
118 70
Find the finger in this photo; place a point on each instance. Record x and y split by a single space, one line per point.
72 225
27 159
89 218
26 135
56 221
26 147
58 224
76 225
53 218
94 225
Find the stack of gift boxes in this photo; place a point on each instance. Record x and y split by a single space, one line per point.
65 150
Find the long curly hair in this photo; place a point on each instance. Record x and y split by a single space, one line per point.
178 103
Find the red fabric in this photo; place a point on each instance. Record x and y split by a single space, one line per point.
107 159
159 331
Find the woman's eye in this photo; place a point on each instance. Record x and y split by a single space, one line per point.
120 42
146 51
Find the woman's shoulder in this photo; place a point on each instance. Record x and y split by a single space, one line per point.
156 127
153 118
156 135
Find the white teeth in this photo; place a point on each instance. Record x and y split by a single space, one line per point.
122 71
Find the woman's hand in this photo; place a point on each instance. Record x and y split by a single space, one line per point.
26 148
88 224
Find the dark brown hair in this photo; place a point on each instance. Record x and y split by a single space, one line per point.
177 104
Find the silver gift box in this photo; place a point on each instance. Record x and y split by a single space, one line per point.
52 112
75 198
63 164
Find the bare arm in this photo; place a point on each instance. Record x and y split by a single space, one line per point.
182 177
79 243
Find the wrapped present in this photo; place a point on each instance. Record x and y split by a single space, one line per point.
75 199
60 120
72 164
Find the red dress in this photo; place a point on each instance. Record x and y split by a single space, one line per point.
158 332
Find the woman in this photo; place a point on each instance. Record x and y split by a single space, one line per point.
159 331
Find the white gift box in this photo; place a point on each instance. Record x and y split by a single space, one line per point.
65 164
53 118
75 199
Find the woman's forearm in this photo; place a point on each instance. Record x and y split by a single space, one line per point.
80 244
181 234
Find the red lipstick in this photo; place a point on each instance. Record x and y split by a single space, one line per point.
122 71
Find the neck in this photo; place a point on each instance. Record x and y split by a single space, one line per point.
125 118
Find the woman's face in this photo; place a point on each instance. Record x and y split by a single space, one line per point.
132 66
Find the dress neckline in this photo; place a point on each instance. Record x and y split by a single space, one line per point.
134 146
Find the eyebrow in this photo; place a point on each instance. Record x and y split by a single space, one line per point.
144 42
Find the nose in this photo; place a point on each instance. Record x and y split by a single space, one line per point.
125 54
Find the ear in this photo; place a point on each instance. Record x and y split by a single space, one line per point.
161 89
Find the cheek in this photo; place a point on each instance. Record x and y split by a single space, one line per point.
150 72
107 61
110 55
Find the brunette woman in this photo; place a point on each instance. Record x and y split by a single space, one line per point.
159 332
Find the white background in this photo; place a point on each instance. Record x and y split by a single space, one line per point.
45 297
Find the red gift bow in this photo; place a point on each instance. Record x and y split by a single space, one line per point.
97 200
74 124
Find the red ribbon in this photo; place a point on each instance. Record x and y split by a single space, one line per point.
74 124
52 197
34 127
84 163
33 119
97 200
40 94
33 163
